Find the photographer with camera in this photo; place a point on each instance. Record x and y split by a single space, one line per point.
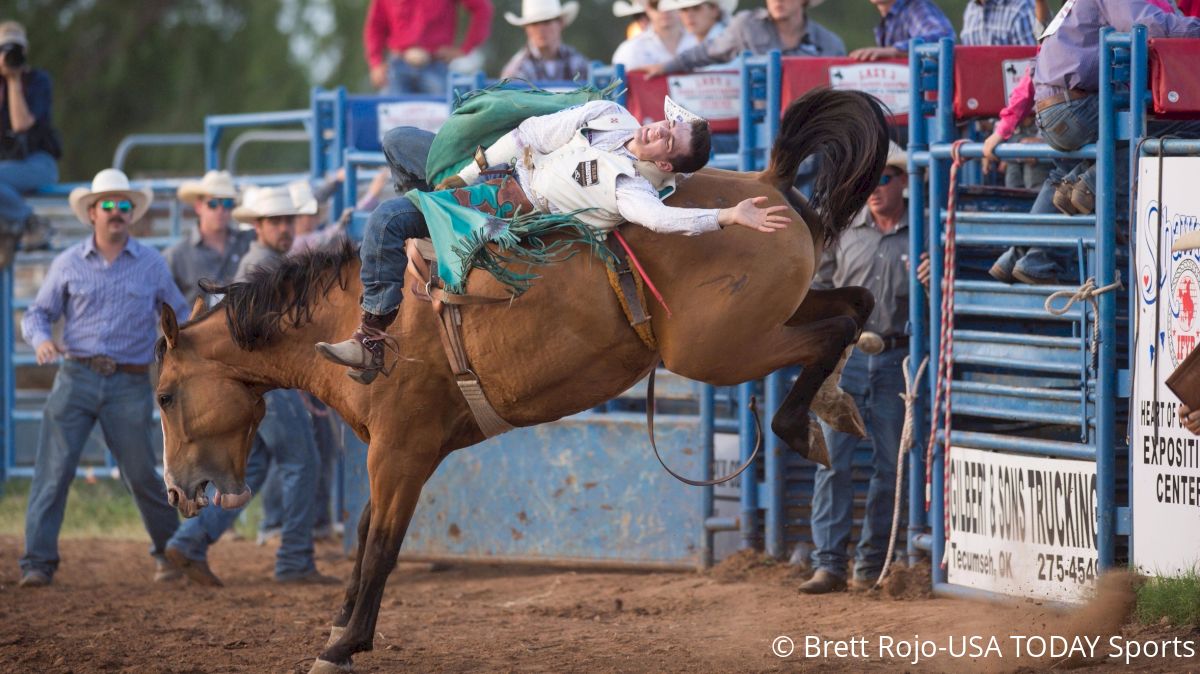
29 145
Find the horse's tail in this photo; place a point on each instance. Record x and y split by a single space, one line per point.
849 131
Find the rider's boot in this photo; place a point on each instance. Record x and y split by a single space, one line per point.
363 353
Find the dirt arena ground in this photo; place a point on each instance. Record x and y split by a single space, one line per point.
102 615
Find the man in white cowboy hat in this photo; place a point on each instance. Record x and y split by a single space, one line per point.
284 436
108 288
662 40
704 19
213 249
545 58
872 253
635 12
593 160
782 25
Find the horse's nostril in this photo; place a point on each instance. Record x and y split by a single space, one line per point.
173 497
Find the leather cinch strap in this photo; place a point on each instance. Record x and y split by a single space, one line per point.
447 307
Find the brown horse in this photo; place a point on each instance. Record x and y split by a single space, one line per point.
741 306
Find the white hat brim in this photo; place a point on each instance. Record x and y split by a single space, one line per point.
623 8
82 198
194 189
570 10
248 216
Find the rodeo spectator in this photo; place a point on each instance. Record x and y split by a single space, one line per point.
704 19
782 25
664 39
545 58
108 288
635 12
284 435
29 145
903 21
872 253
409 43
998 22
213 249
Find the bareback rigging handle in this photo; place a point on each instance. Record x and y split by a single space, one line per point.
677 476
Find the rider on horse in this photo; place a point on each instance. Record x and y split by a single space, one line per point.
593 162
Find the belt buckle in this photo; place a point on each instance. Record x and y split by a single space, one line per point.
103 365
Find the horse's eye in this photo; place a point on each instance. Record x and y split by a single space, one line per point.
164 399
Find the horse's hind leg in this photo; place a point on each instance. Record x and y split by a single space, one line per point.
396 482
830 403
351 596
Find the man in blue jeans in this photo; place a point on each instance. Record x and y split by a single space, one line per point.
284 434
108 289
1066 82
872 253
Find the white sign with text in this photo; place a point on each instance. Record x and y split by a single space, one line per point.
886 81
1165 457
713 96
427 115
1022 525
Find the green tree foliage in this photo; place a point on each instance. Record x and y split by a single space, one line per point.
156 66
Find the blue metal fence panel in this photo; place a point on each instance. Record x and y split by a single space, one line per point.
585 489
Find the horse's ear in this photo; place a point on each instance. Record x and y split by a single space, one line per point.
169 325
198 307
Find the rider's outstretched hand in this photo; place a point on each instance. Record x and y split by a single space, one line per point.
748 213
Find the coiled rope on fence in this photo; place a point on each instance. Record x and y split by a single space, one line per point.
1084 293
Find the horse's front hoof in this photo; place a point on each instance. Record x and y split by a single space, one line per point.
335 633
327 667
838 409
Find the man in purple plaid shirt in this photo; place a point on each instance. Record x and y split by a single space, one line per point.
998 22
903 21
108 290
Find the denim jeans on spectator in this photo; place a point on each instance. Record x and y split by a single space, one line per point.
20 176
382 252
285 439
325 434
122 403
407 79
876 383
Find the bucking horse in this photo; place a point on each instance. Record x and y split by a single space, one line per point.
741 307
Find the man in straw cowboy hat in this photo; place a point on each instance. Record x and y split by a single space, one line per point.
544 57
635 12
872 253
662 40
592 164
284 436
215 247
704 19
108 289
782 25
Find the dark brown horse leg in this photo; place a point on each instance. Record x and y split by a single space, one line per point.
396 483
823 343
351 597
830 403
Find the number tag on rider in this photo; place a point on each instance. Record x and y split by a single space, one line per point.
1057 22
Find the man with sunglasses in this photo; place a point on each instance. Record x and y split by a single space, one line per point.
872 253
215 247
108 288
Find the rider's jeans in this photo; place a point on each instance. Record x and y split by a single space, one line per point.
383 259
876 383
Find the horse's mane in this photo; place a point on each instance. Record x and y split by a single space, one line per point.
280 295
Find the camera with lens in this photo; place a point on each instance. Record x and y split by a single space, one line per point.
13 55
